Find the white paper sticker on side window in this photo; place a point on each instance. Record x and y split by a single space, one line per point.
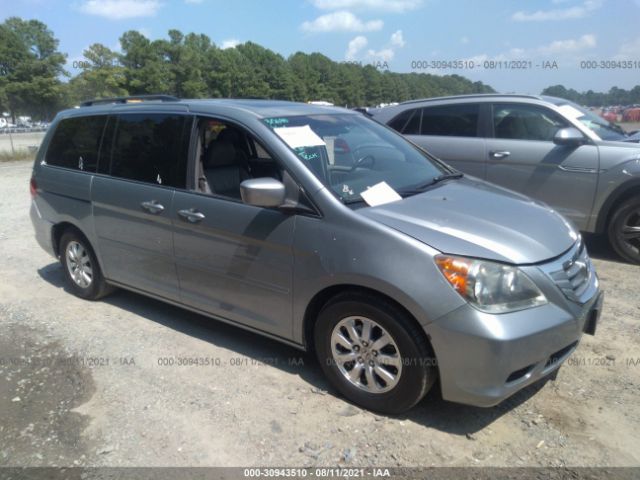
380 194
297 137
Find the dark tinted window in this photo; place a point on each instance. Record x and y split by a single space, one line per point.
401 120
525 122
106 146
413 125
76 142
151 148
451 120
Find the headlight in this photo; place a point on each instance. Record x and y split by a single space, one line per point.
489 286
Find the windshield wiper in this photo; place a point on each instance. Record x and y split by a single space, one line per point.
415 190
351 201
433 181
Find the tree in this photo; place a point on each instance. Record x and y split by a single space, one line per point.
615 96
102 77
191 66
30 67
268 68
146 69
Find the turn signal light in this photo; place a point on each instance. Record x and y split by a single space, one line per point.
456 271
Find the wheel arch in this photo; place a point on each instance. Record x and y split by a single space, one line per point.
621 194
324 296
59 229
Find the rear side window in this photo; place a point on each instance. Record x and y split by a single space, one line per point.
151 148
76 142
451 120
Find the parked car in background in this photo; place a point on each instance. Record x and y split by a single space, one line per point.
234 209
548 148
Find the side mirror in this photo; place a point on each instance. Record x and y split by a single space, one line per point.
570 136
262 192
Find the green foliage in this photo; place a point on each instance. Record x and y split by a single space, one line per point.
615 96
102 76
30 67
192 66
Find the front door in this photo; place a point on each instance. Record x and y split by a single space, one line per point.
233 260
522 156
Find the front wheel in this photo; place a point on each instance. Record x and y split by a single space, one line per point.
373 354
624 230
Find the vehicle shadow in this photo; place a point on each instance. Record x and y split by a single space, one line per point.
457 419
432 411
598 247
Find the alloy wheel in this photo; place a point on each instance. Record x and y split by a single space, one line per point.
630 231
366 354
79 264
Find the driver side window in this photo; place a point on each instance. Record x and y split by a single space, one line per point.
525 122
227 155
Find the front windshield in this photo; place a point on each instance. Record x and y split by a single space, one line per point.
598 125
350 153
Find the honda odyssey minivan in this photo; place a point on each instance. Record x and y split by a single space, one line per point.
323 229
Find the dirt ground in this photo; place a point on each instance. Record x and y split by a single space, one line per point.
87 384
631 126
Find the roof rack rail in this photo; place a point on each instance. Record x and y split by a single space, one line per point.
129 99
473 95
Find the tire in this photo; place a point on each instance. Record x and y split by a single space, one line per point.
403 369
80 266
624 230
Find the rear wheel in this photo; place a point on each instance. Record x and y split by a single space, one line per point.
624 230
81 268
373 353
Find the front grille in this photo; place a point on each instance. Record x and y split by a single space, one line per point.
574 273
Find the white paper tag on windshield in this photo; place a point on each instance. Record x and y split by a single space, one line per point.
297 137
570 111
380 194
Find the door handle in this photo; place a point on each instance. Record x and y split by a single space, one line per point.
499 154
191 215
152 207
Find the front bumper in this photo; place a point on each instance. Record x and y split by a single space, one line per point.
484 358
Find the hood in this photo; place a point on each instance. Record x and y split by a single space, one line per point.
628 143
477 219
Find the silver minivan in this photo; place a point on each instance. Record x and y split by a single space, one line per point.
323 229
548 148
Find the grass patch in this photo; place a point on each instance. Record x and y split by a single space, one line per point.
19 155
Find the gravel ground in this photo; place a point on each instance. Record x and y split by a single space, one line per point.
82 383
20 141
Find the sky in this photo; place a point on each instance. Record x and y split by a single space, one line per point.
552 38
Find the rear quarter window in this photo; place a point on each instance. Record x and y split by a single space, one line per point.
399 122
76 143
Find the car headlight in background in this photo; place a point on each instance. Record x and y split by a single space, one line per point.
490 286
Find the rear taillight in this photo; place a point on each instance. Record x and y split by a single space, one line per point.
33 187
